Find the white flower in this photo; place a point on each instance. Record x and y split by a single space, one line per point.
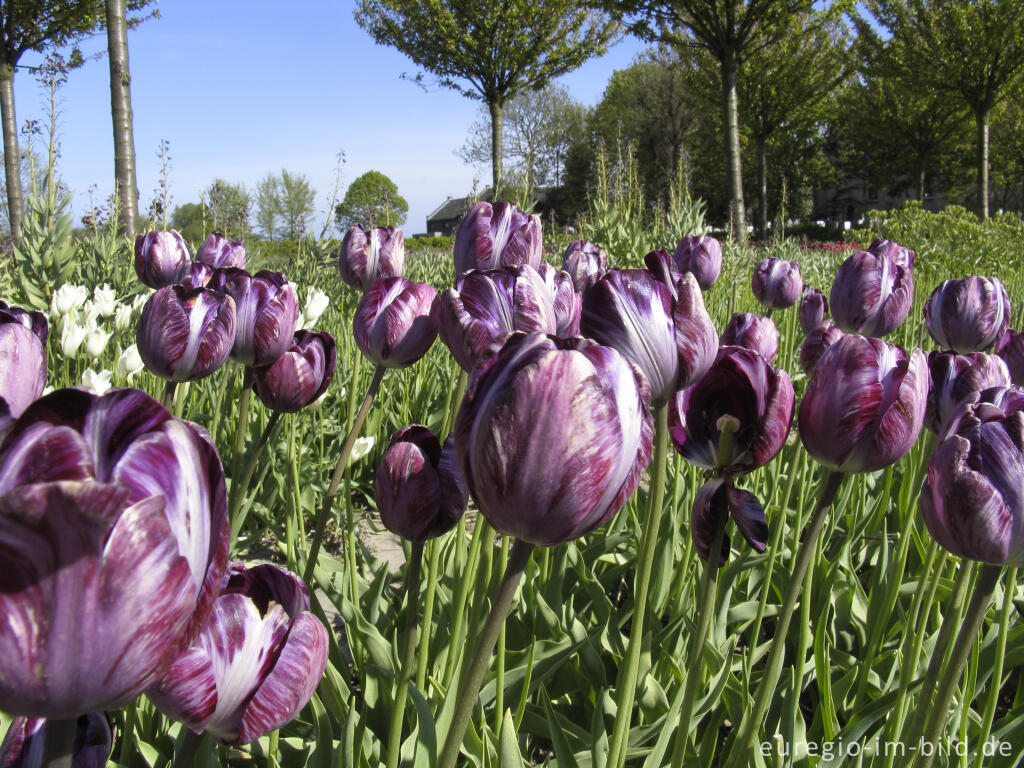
96 342
316 303
140 301
122 317
361 448
68 297
97 383
71 338
129 363
104 299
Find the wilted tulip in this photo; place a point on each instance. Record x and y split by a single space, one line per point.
368 254
484 307
813 309
22 358
777 284
662 329
565 299
871 294
755 332
420 492
895 252
585 263
968 315
864 404
266 310
218 252
553 479
814 346
160 258
1011 349
700 255
396 321
720 493
186 334
495 236
300 375
954 376
254 665
114 539
24 744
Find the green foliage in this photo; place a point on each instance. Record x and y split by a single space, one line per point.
45 257
414 245
372 200
192 221
229 206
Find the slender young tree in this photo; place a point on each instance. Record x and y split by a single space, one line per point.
125 184
491 49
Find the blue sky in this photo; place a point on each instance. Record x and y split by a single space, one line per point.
240 89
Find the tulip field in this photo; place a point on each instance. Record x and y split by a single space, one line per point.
712 505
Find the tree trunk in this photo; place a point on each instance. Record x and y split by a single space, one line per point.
126 187
981 116
922 164
12 154
497 110
730 114
762 190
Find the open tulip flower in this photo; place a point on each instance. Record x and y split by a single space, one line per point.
255 664
872 293
585 263
24 744
22 357
266 311
218 252
954 376
113 535
495 236
186 333
813 310
777 284
299 376
367 254
754 332
968 315
815 344
700 255
160 258
396 321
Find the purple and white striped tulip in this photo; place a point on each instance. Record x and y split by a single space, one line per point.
114 539
217 252
813 310
559 477
299 376
160 258
871 294
864 405
777 284
755 332
954 376
565 299
25 743
22 358
266 311
815 344
968 315
420 492
33 320
1011 349
255 664
196 275
367 254
700 255
495 236
898 254
585 262
186 333
971 501
396 321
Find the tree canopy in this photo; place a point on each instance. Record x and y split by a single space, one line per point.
372 200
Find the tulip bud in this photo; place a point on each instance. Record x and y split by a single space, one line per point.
553 479
968 315
160 258
871 294
368 254
218 252
702 256
32 320
185 334
24 744
813 309
864 404
419 490
104 299
816 343
955 376
71 339
585 263
777 284
316 302
266 311
754 332
396 321
495 236
22 358
893 251
67 298
299 376
95 342
129 363
565 299
122 318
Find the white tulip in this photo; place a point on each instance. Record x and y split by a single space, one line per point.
96 342
361 448
67 298
316 303
129 363
97 383
71 338
122 317
104 299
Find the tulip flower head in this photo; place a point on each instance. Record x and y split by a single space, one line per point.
1011 349
817 341
777 284
316 303
813 310
566 301
585 263
105 300
495 236
129 363
218 252
22 358
160 258
66 299
700 255
396 321
266 310
895 252
754 332
367 254
954 376
968 315
196 275
871 294
299 376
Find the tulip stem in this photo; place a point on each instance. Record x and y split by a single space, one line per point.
469 690
59 745
433 560
751 722
168 399
455 399
339 470
969 627
238 489
480 531
241 428
412 591
996 680
628 673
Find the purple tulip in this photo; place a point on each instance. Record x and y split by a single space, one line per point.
552 479
777 284
420 492
396 321
755 332
495 236
585 263
114 539
22 358
662 329
160 258
1011 349
898 254
972 501
566 300
299 376
864 404
813 309
702 256
954 376
871 294
968 315
814 346
24 744
218 252
196 275
185 334
368 254
254 665
743 507
266 310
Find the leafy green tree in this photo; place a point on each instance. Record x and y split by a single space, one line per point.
229 206
489 50
372 200
192 220
268 205
296 196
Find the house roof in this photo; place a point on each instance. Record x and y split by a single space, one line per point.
457 207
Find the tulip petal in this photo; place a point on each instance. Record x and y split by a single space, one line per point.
749 516
187 691
713 494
